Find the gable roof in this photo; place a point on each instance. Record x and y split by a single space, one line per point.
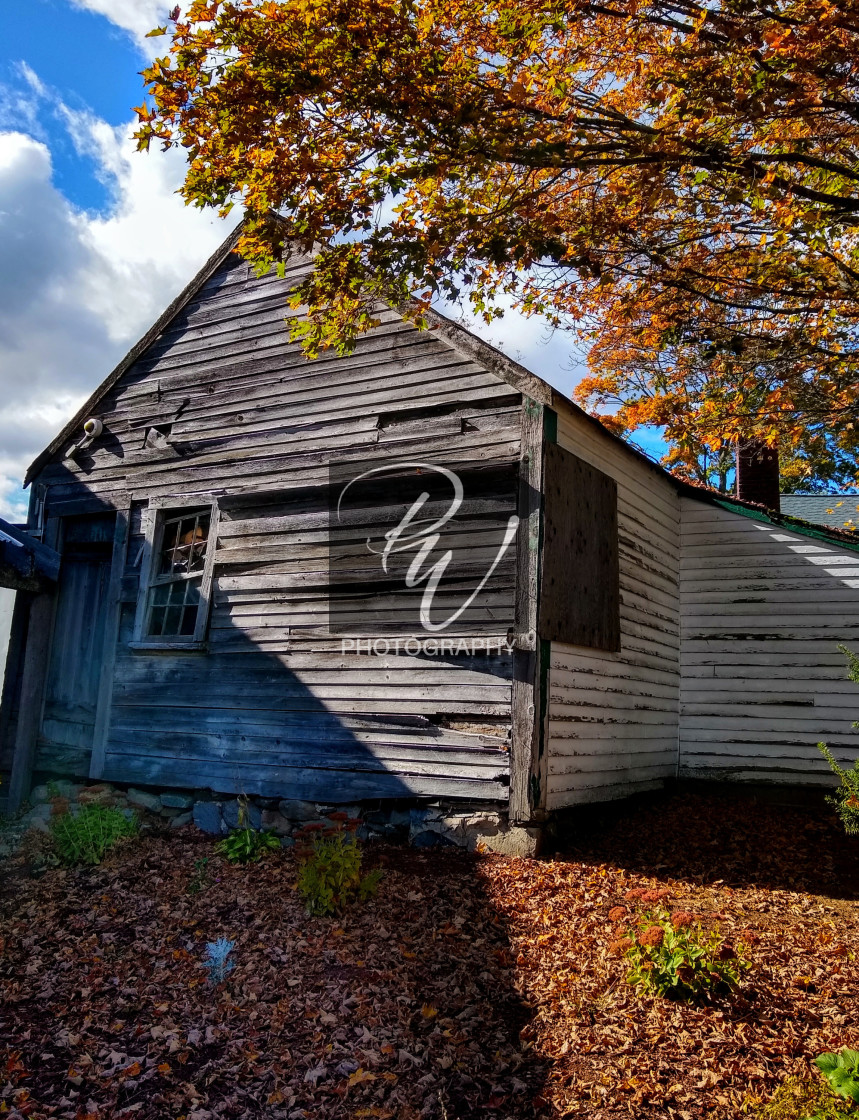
470 346
462 340
161 323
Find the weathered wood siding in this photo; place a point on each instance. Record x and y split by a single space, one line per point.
16 604
612 717
763 612
273 706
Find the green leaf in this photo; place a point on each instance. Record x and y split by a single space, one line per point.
156 31
827 1062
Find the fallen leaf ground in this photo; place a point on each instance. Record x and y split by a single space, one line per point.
469 987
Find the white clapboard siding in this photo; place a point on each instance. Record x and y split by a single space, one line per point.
612 717
763 612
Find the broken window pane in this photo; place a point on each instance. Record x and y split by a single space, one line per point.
183 544
174 599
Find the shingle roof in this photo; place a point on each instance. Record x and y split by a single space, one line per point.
836 510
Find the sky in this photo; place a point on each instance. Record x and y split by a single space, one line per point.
94 240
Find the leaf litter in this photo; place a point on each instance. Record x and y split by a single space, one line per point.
470 986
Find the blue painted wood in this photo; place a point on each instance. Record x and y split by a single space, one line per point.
74 667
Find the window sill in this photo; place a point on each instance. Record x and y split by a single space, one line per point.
168 647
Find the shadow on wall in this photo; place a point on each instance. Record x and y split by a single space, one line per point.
236 717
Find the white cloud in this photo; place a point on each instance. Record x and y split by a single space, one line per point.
553 355
137 17
77 289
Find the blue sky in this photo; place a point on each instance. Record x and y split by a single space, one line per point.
88 62
94 241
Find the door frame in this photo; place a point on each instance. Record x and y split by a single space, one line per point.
34 678
111 637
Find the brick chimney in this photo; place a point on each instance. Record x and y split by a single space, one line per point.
757 474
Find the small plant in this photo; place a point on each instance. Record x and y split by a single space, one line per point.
216 961
246 845
841 1071
846 797
330 876
671 955
200 879
800 1098
87 836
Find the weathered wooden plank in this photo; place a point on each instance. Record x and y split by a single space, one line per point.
567 767
272 754
247 413
527 785
268 343
604 790
258 372
580 586
31 698
610 706
12 673
385 737
111 629
238 467
313 784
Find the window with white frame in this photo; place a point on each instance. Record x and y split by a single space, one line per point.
177 576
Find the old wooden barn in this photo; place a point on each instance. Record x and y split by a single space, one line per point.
635 629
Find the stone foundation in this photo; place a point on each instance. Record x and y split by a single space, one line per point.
432 825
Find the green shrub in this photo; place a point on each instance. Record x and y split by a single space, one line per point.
330 877
846 797
841 1070
672 955
86 837
801 1098
245 845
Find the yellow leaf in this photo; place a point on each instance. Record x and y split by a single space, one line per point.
359 1076
428 1011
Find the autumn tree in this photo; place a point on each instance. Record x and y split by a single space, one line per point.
677 182
705 394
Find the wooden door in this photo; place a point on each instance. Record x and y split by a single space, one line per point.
77 647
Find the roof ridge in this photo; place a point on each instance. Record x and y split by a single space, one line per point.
163 320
